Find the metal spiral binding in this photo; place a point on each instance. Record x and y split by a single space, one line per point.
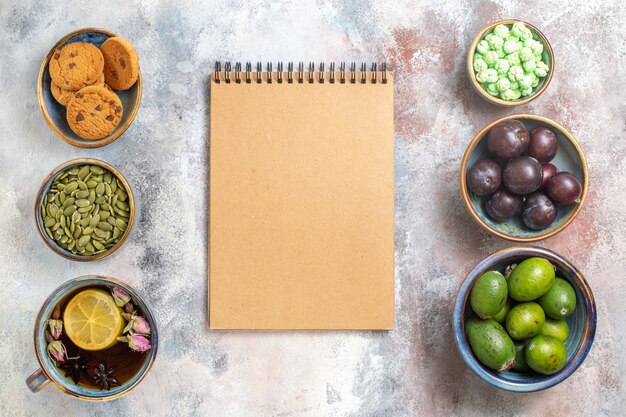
224 73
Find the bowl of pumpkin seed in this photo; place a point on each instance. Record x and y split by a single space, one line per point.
85 209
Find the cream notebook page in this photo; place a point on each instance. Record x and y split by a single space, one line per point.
301 213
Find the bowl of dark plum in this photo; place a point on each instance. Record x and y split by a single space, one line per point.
524 178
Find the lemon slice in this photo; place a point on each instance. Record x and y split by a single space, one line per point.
92 320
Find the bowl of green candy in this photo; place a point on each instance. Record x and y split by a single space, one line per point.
510 62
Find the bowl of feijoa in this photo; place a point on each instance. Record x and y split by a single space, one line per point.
510 62
524 319
524 178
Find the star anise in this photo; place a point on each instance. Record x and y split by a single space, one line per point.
75 367
104 378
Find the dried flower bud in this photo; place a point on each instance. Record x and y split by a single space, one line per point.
56 328
140 326
120 296
127 316
56 314
57 351
139 343
129 308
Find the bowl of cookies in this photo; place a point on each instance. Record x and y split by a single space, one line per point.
89 87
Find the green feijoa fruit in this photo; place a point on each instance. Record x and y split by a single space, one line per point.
560 300
555 328
488 294
490 343
545 354
500 316
531 279
520 360
524 320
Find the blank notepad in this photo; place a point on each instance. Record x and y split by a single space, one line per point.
301 214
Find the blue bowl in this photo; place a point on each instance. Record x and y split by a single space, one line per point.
569 158
54 113
582 323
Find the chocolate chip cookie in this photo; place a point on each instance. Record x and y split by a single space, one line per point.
76 65
64 96
94 112
121 63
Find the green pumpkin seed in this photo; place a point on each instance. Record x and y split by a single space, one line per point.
87 230
89 247
62 197
69 210
100 189
82 173
76 217
83 202
105 206
77 232
91 184
97 245
58 214
113 185
56 226
49 222
104 215
82 194
101 200
71 245
121 194
52 209
96 169
62 221
116 232
60 186
68 202
94 220
73 171
49 233
84 210
71 187
82 185
105 226
83 240
67 232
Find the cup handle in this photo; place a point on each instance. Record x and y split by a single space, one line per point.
37 381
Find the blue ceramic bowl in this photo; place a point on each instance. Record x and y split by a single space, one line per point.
569 158
54 113
48 372
582 323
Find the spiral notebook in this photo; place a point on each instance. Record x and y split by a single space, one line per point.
301 212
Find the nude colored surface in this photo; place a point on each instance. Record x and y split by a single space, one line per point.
413 370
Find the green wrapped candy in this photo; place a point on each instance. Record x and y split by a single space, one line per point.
526 34
507 95
535 80
517 29
541 72
515 73
496 42
481 76
526 91
529 65
525 82
491 57
501 31
529 43
491 89
492 75
514 85
502 66
513 59
482 47
503 84
537 48
480 65
510 46
526 54
501 53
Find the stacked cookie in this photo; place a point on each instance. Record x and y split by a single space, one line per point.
84 79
